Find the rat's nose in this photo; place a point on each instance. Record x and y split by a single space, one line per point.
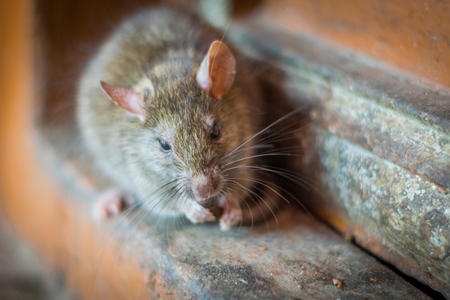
202 187
206 185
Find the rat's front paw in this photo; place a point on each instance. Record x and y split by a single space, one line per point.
231 215
110 204
198 214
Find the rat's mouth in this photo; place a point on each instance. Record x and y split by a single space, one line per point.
209 202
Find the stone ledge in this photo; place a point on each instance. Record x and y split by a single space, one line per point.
297 257
397 189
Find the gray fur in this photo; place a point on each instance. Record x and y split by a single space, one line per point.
166 47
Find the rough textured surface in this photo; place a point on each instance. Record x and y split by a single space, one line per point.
408 213
297 257
396 194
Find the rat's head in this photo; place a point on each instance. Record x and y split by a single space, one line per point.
191 131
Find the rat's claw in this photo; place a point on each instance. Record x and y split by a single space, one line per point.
198 214
231 215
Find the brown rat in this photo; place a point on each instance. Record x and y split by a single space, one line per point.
172 114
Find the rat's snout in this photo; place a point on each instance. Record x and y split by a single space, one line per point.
206 185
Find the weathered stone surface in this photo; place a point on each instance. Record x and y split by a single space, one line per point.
297 257
383 150
408 213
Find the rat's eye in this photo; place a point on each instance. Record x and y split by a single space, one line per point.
164 146
215 132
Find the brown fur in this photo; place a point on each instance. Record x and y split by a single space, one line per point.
166 47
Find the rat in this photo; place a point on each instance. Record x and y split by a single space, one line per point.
172 115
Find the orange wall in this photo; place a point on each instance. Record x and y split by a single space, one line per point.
412 35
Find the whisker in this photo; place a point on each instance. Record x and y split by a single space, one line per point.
124 218
136 223
155 195
282 132
265 183
292 176
258 156
167 200
296 178
140 220
266 128
258 197
253 147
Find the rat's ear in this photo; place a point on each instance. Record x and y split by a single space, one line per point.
217 70
127 99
